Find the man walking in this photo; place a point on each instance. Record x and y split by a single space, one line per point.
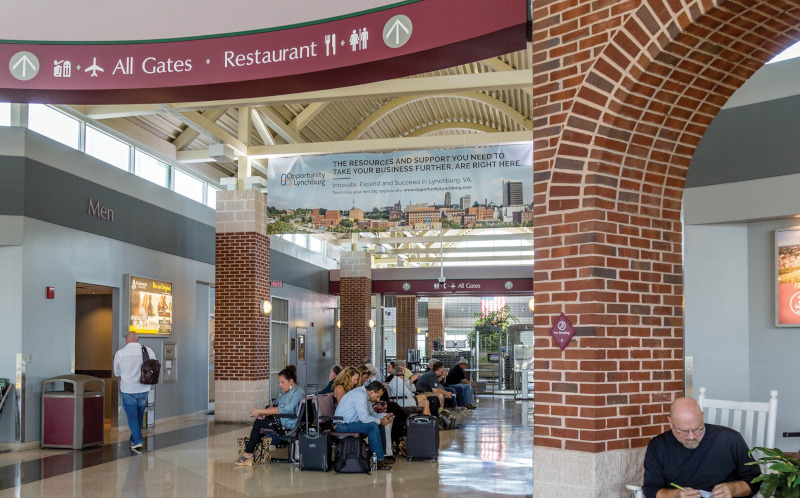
128 367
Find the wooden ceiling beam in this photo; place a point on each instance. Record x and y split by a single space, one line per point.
392 144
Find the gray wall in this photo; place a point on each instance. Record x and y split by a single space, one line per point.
48 244
717 320
305 276
730 330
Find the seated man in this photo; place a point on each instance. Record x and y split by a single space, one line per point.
429 382
458 381
335 370
357 414
697 457
453 400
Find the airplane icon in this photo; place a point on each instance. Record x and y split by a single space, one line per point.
94 68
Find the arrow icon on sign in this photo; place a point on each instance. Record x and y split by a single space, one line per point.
25 63
396 27
397 31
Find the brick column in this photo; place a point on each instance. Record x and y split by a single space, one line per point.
355 307
406 325
241 336
435 322
623 93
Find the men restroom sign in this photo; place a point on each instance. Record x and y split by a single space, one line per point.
562 331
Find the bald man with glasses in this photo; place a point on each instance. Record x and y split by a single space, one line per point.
701 459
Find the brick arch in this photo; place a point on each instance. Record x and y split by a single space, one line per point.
623 93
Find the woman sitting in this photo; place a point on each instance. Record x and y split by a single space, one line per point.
287 403
366 374
401 388
345 381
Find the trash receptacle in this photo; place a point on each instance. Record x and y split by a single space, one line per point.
72 415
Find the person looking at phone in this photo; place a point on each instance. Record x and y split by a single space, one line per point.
357 414
697 459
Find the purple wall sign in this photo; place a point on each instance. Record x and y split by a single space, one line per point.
377 45
562 331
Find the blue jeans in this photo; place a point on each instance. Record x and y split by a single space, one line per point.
464 394
376 435
133 404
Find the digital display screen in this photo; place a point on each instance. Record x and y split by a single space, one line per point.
150 306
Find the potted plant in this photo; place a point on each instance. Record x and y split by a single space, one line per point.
782 475
501 319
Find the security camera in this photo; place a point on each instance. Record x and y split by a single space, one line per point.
442 279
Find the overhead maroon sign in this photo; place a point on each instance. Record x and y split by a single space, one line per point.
478 287
562 331
408 39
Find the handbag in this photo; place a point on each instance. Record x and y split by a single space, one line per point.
261 454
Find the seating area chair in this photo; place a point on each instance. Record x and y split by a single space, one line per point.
756 421
327 408
290 438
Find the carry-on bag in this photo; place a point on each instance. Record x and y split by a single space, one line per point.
352 456
422 437
315 445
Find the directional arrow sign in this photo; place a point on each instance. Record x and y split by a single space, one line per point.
23 66
397 31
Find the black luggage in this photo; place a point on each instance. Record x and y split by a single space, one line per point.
422 437
315 445
352 456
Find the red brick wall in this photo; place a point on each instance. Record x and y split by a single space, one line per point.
406 325
241 334
435 327
354 313
623 92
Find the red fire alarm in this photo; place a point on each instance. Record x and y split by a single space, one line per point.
51 293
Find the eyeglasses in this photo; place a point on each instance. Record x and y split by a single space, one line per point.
685 432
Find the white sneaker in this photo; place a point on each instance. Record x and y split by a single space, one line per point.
137 446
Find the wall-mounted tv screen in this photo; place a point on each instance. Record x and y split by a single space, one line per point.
150 306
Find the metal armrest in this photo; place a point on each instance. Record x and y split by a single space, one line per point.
791 434
637 490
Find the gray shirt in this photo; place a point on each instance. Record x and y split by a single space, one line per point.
427 382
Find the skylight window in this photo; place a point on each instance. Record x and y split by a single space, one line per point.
790 53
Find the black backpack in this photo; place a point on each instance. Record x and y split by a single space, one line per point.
352 456
151 369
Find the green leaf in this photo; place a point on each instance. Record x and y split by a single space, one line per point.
784 467
768 488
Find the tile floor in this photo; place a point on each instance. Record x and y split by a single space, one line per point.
489 454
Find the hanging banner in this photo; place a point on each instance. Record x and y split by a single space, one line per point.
150 306
473 187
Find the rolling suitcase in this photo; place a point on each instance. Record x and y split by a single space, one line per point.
315 445
422 437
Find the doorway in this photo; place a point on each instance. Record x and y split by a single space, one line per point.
94 341
278 342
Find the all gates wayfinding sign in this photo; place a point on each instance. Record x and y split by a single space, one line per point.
96 52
